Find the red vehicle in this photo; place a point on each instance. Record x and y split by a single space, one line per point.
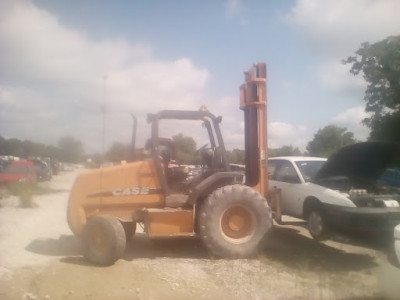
18 171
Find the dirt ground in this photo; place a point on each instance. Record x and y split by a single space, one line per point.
41 259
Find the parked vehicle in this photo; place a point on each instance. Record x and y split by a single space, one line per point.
18 171
390 269
391 176
54 165
237 167
343 192
42 169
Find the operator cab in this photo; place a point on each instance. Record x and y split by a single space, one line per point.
176 178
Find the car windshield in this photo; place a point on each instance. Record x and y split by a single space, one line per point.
310 168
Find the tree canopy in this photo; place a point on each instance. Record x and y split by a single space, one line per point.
380 65
185 149
71 149
236 156
287 150
328 140
68 150
118 152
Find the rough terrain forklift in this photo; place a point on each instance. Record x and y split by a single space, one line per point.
230 216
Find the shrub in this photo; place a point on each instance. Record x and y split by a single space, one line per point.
24 190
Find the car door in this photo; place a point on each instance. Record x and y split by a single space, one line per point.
285 178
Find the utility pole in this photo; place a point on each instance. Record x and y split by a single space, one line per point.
104 117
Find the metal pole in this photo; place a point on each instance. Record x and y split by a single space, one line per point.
104 117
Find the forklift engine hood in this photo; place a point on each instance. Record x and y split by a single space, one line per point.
357 170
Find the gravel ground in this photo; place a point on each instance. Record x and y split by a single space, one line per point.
40 259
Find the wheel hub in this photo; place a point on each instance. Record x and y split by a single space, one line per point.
315 223
237 223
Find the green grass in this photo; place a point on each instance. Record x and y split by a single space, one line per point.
25 191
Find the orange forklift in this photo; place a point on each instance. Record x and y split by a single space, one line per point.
230 213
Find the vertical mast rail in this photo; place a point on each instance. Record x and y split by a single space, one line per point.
253 101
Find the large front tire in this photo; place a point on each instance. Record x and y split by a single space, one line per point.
233 220
104 240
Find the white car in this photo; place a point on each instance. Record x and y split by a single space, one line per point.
342 192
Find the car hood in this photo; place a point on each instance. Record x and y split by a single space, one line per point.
361 162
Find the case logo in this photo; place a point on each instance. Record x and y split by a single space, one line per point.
131 191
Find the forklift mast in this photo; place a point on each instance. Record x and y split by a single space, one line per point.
253 101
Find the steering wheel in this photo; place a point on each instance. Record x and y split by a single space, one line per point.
206 155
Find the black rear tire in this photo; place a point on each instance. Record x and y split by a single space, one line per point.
233 220
104 240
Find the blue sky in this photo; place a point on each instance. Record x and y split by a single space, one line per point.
60 61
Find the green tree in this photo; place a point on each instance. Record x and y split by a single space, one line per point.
328 140
13 147
118 152
236 156
287 150
71 149
185 149
31 149
380 65
51 151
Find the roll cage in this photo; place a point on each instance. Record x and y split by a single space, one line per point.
210 122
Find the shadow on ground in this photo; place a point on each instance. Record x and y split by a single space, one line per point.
287 246
175 247
65 245
282 245
371 240
140 246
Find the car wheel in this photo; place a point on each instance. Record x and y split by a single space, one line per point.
317 225
233 220
104 240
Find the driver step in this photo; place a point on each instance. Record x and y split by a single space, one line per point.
176 200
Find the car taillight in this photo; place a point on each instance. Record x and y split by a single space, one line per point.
392 257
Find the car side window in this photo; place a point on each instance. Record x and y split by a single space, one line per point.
286 173
271 168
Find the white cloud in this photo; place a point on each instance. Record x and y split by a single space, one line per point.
232 7
235 9
52 78
336 77
334 30
351 119
339 27
281 134
351 115
36 47
287 84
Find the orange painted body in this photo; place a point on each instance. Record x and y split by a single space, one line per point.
120 191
